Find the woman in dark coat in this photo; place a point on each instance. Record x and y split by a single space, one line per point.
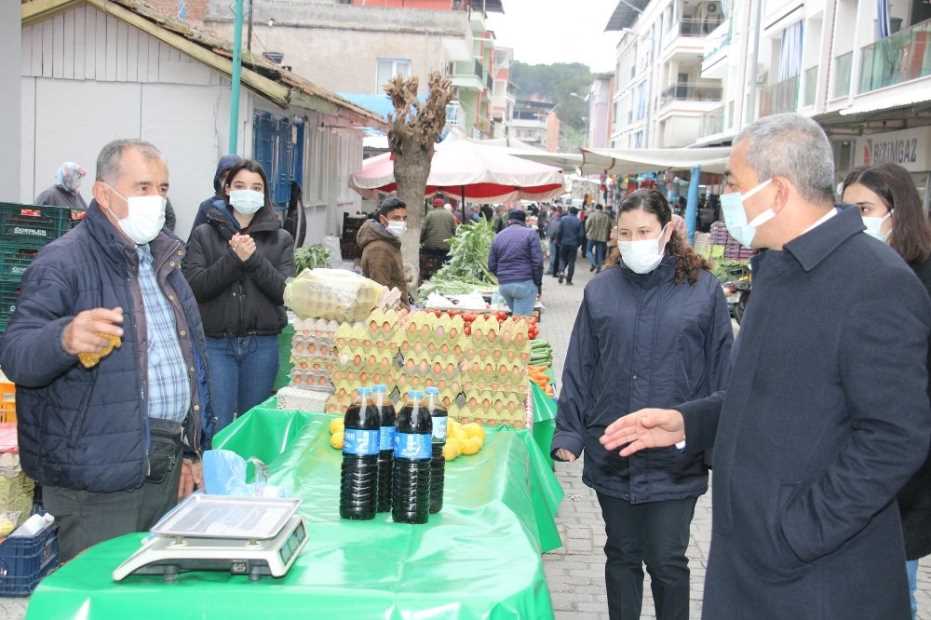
891 210
237 264
653 329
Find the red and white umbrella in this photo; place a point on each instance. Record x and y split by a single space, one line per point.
477 173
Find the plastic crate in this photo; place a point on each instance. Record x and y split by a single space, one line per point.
25 561
15 258
32 224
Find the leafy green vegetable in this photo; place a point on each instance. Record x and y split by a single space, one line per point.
311 257
467 269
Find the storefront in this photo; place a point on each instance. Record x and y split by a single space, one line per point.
909 148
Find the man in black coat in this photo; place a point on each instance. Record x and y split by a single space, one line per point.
826 415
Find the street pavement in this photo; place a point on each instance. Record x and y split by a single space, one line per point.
575 572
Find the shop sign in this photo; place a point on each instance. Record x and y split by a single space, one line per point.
909 148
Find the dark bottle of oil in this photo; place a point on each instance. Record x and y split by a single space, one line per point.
359 479
439 418
413 449
386 447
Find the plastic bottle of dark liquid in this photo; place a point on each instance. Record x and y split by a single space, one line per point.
439 417
386 447
410 502
359 483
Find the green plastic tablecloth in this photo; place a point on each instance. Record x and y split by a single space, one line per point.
479 558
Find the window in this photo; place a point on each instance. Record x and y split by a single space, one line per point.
388 68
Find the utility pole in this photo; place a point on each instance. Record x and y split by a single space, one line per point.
249 32
235 78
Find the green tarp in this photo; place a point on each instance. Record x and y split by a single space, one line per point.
479 558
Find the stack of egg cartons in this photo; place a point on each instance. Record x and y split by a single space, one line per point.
366 355
313 357
431 345
494 371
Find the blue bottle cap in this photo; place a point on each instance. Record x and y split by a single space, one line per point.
432 391
381 388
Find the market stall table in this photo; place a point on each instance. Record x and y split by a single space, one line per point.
478 558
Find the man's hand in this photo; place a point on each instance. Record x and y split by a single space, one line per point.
83 333
192 477
243 246
564 455
647 428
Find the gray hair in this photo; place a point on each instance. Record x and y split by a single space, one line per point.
795 147
108 162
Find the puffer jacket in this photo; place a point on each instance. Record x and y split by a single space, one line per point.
641 341
381 256
240 298
87 429
570 231
516 256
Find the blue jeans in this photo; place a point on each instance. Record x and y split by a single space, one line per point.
911 567
590 253
520 296
598 251
554 258
242 374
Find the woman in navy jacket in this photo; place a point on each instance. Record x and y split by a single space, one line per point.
654 331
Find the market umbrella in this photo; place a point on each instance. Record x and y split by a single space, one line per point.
473 171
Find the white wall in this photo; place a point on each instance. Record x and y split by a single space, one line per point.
10 108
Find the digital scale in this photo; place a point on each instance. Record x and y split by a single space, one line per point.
242 535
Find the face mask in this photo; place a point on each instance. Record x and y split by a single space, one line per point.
643 256
396 228
874 226
735 217
146 217
246 201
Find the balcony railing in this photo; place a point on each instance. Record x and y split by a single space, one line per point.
691 27
779 97
712 122
811 85
843 68
687 91
904 56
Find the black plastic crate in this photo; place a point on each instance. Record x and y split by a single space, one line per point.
25 561
15 258
9 293
32 224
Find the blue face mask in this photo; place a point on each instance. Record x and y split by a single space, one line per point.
735 217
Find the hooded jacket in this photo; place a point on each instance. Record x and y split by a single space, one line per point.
240 298
87 429
381 256
223 166
641 341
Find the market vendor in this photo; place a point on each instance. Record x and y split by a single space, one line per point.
380 240
109 438
516 259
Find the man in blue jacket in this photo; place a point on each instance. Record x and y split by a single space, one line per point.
517 261
568 239
112 440
826 414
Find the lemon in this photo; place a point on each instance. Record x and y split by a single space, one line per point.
457 434
336 425
471 445
336 440
451 450
475 430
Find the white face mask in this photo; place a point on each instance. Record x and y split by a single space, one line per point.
643 256
246 201
735 216
396 228
145 219
874 227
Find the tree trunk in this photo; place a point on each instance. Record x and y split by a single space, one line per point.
411 174
415 127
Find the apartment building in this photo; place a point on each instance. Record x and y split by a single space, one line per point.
661 94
